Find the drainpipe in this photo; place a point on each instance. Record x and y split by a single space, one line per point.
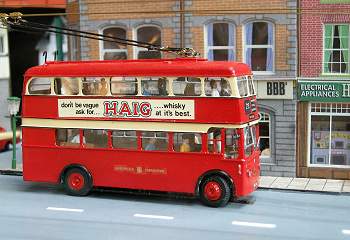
182 23
57 22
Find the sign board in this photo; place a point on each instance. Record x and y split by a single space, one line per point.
324 91
126 108
274 89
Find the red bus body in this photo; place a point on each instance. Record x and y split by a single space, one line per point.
171 171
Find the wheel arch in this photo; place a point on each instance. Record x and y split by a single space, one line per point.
215 172
71 166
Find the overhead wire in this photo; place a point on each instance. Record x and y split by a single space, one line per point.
16 23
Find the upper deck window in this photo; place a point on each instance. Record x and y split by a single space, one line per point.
124 86
259 46
187 86
220 42
40 86
67 86
113 50
155 86
217 87
148 34
95 86
251 85
242 83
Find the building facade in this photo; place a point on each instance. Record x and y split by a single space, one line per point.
4 77
18 49
259 34
323 142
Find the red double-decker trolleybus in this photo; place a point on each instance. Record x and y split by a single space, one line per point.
175 125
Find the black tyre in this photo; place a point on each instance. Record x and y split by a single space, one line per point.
214 192
77 182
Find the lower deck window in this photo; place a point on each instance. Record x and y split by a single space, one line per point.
187 142
231 143
96 138
124 139
214 140
154 141
68 137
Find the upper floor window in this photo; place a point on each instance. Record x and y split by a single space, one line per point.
148 34
259 50
336 49
113 50
220 42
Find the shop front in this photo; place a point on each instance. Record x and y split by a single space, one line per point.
323 139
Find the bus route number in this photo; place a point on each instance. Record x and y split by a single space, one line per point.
276 88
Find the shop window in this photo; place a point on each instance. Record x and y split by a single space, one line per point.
217 87
68 137
187 142
336 49
265 135
231 143
124 86
330 134
155 86
94 138
187 86
124 139
154 141
151 35
40 86
95 86
113 50
259 53
214 140
220 42
67 86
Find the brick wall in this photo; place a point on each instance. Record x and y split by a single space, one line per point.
311 32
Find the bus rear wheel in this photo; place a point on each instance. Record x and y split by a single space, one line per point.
77 182
215 192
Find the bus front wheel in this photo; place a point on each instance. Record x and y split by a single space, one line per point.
214 192
77 182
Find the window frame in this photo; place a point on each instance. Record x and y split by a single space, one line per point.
328 111
137 49
332 49
228 47
269 137
246 46
103 50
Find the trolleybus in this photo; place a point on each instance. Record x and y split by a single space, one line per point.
176 125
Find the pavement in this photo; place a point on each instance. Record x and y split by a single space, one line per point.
266 182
